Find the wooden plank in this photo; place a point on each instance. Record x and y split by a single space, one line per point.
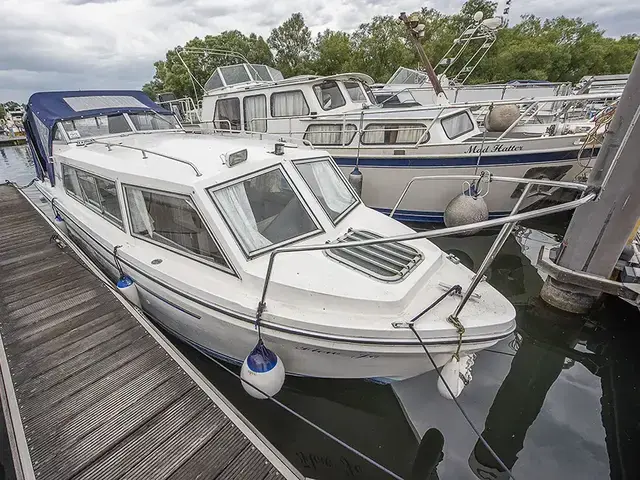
146 439
249 465
62 321
82 361
208 462
77 451
163 461
79 402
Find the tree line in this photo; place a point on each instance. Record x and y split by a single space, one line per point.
560 50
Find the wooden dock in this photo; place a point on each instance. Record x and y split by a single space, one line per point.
90 389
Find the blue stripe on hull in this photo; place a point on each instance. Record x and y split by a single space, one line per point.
466 161
418 216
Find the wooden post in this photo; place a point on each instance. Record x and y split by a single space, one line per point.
599 230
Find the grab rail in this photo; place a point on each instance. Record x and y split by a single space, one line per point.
144 153
510 220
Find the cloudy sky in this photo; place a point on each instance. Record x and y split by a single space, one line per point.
82 44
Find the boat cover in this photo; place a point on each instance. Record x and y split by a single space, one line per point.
46 108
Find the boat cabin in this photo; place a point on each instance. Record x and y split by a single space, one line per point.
324 111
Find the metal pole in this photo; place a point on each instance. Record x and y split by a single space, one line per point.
413 36
502 237
598 232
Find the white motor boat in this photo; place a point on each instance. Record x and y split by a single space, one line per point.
193 220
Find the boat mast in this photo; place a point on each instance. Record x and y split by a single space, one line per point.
415 32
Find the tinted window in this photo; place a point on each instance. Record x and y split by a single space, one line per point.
330 133
88 188
263 210
96 126
329 95
354 91
70 181
172 221
393 134
457 125
289 104
109 198
96 192
153 121
227 114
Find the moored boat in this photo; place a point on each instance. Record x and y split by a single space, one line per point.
193 219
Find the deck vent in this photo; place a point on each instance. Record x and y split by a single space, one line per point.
390 262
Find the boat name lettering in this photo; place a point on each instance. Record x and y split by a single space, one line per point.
313 462
497 148
327 352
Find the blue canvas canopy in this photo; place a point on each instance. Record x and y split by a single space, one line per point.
46 108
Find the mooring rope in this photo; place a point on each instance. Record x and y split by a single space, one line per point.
9 182
306 420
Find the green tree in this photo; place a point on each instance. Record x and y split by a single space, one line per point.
292 44
380 47
333 53
2 112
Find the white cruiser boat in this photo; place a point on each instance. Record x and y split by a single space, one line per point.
192 219
390 146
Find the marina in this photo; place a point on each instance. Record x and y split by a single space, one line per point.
280 259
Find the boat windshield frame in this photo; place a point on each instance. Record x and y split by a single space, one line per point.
341 178
250 255
132 128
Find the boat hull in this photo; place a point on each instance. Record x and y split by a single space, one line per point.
385 177
228 336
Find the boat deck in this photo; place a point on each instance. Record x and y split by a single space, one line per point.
90 389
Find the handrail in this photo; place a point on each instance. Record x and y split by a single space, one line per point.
511 219
274 136
528 181
144 152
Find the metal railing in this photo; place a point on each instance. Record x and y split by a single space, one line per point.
144 151
354 118
508 223
185 107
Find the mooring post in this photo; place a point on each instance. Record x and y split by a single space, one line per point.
599 230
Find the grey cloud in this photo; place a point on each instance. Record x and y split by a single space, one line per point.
72 44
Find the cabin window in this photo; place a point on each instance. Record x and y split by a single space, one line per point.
227 114
394 134
88 189
172 221
146 121
109 199
255 113
57 133
330 133
457 125
96 192
234 74
96 126
70 181
289 104
355 92
215 81
328 185
263 210
329 95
